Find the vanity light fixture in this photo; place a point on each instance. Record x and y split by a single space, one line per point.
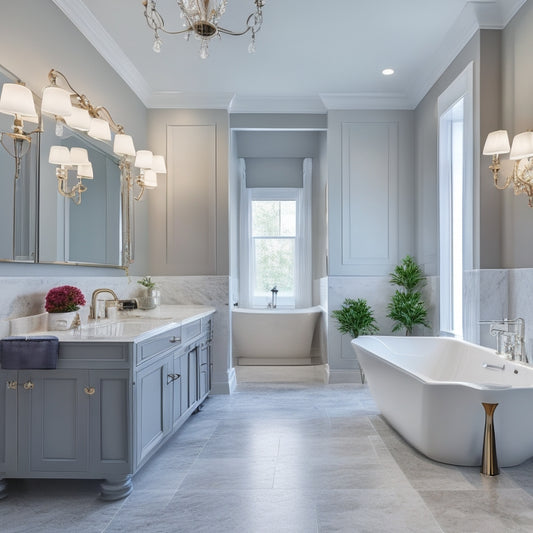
149 166
17 100
200 18
84 116
521 152
67 160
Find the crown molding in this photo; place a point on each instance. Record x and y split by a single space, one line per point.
277 104
81 16
189 100
336 101
474 17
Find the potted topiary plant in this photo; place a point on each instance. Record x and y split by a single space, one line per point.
151 297
356 318
407 308
62 304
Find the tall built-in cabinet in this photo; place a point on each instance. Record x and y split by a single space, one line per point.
106 408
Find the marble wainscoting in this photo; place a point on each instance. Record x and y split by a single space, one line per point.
215 292
377 291
25 296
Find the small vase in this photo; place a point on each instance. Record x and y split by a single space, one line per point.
61 321
150 299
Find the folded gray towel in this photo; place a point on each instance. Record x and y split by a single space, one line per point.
38 352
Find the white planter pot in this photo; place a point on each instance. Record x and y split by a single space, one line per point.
61 321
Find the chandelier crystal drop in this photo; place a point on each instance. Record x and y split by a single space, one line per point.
201 19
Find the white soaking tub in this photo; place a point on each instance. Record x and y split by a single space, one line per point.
273 336
430 390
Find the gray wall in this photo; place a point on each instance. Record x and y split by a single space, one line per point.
517 116
483 50
36 37
188 225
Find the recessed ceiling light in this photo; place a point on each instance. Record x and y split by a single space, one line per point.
387 72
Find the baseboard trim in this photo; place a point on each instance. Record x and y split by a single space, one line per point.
344 376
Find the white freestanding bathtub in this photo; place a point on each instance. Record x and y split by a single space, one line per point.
430 390
273 336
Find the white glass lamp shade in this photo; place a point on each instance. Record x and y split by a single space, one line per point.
59 155
497 143
17 99
56 101
123 145
150 179
79 156
158 164
79 119
144 159
99 129
85 171
522 145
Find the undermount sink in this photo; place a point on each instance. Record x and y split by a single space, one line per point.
129 327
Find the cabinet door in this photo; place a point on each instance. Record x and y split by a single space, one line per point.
53 421
193 375
178 384
205 368
8 421
110 421
153 395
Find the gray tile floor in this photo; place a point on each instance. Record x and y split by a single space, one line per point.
284 458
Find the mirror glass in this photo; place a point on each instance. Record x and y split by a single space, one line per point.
89 233
18 197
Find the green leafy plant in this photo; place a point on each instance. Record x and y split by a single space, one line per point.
147 282
407 308
356 318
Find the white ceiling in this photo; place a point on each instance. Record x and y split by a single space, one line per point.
311 55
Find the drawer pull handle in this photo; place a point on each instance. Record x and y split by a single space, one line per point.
12 385
28 385
172 377
174 339
89 390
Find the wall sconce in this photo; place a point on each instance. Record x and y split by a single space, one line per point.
76 110
521 152
17 100
150 165
68 160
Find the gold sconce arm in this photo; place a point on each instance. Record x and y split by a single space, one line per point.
82 101
495 168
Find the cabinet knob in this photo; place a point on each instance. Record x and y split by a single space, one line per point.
172 377
28 385
174 339
11 385
89 391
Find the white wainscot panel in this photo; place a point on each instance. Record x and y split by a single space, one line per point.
369 198
191 199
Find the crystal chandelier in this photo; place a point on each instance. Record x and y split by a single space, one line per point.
200 18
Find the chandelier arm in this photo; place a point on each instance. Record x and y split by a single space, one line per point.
177 32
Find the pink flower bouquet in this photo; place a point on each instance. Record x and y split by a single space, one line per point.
64 299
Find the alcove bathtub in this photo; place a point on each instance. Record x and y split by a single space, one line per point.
273 336
430 390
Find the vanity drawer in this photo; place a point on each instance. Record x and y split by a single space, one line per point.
191 330
158 344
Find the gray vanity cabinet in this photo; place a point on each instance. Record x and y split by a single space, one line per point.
72 421
106 408
8 419
53 421
153 406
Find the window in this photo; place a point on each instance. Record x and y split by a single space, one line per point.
275 243
455 199
273 234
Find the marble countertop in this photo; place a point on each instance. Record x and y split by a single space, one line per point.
131 326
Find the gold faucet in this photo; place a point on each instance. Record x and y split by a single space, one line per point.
92 311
